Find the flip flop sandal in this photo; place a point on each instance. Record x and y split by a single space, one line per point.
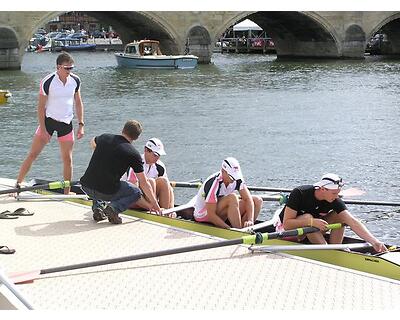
5 215
21 212
6 250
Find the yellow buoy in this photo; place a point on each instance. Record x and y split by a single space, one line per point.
4 95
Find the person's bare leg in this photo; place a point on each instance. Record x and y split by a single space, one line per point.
163 192
171 196
336 235
228 207
142 203
257 201
66 148
38 144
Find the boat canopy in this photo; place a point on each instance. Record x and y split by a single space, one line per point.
144 48
246 25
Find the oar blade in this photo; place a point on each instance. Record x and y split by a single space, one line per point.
185 206
351 192
24 277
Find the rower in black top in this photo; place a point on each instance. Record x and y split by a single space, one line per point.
112 156
303 200
319 205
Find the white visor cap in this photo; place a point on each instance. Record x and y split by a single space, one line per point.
232 167
155 145
330 181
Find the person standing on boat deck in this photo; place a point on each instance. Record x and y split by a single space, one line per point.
156 171
216 201
59 92
112 156
318 205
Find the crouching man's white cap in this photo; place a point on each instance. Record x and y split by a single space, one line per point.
232 167
155 145
329 181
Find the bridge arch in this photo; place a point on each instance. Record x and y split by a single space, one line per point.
199 42
130 25
389 25
354 40
9 49
295 34
135 25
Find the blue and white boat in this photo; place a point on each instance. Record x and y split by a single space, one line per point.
71 44
146 54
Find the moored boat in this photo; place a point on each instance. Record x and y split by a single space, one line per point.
146 54
71 44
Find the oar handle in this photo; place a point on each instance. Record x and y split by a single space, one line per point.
261 238
176 184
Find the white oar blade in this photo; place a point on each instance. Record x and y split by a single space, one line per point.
22 277
352 192
188 205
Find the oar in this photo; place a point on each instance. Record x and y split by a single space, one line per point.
307 247
258 238
51 186
282 199
51 197
184 206
373 203
351 192
176 184
344 193
196 185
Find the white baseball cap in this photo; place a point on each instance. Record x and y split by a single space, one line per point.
232 167
330 181
155 145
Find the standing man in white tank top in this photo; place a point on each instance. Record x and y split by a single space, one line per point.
59 92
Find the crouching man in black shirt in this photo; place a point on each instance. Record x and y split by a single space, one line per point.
112 156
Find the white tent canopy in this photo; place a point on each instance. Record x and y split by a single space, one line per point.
246 25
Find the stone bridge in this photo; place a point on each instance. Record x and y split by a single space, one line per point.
308 34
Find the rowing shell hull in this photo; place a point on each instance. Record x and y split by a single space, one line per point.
376 265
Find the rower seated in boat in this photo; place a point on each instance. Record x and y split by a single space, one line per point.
317 206
217 203
156 173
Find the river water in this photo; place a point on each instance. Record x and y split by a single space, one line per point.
288 122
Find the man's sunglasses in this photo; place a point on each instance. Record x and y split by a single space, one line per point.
68 68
